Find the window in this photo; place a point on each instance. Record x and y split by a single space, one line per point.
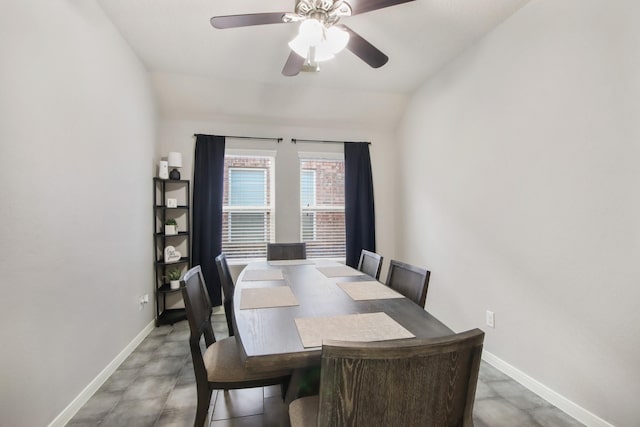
307 199
322 207
247 211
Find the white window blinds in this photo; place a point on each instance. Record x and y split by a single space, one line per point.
322 207
247 211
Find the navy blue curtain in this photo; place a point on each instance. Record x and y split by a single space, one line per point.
359 212
208 186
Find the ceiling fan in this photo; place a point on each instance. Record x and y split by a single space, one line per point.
320 36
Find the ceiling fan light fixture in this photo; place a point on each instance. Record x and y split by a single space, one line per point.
320 37
311 53
320 53
312 31
299 46
329 42
336 39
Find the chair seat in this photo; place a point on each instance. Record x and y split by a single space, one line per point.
224 364
303 412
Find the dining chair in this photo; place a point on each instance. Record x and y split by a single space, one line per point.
410 281
410 383
219 367
370 263
228 288
285 251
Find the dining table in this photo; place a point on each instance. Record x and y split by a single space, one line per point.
285 309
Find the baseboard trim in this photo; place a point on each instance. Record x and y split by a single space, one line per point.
576 411
72 408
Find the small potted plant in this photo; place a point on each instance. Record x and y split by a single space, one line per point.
170 227
174 278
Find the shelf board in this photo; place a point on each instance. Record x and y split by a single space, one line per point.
166 289
171 316
180 233
173 181
168 208
180 261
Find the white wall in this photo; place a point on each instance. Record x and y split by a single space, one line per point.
77 130
520 193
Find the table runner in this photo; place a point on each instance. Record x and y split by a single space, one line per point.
366 327
369 290
279 296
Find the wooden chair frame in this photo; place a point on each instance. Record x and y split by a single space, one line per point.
370 263
409 383
198 308
228 289
286 251
413 285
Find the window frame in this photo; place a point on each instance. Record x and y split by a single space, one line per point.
314 229
269 208
319 156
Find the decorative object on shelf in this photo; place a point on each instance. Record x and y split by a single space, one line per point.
172 203
171 255
163 169
170 227
174 278
175 161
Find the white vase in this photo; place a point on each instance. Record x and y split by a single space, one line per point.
174 284
163 169
170 230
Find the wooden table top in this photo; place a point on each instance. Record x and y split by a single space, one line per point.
269 337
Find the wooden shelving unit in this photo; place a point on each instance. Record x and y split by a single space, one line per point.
163 188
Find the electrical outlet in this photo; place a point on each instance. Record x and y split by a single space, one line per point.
491 320
144 299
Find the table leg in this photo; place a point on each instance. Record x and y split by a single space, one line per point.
304 382
291 394
297 377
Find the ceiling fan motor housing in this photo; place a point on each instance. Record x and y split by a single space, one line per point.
328 12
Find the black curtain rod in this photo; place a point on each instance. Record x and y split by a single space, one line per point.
278 140
295 141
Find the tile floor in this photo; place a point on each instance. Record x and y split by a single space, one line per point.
155 387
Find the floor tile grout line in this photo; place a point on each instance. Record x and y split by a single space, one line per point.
168 394
500 391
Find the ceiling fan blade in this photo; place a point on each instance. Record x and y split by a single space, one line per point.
362 6
233 21
293 66
364 50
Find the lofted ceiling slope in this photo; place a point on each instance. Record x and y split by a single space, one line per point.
199 70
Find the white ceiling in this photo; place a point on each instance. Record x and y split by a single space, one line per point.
188 58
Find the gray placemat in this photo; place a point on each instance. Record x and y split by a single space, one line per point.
339 271
262 275
279 296
365 327
369 290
